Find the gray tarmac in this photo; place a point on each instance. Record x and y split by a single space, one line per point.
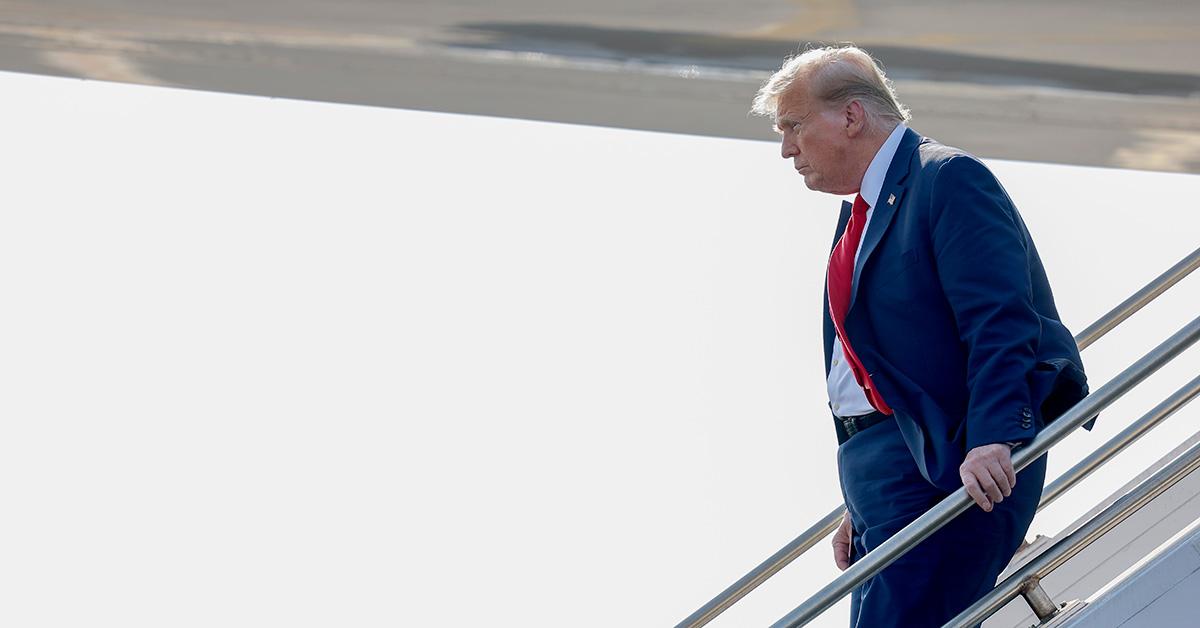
1094 83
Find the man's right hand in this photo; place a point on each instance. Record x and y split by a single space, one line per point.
841 543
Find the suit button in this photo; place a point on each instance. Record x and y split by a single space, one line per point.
1027 413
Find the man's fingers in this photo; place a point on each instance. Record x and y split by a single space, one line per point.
841 556
989 486
841 543
988 475
1000 476
973 489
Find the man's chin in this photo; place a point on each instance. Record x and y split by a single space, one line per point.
813 183
817 185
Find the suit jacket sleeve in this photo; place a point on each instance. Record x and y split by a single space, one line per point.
982 264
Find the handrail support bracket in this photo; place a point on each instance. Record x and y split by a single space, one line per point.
1041 603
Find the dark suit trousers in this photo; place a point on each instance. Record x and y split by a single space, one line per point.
946 572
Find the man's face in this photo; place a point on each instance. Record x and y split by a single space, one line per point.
816 139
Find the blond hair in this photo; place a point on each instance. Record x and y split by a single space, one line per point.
834 75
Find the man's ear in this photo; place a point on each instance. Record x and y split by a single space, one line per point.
856 118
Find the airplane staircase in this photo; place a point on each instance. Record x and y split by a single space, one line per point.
1133 560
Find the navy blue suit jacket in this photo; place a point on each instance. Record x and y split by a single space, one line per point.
951 312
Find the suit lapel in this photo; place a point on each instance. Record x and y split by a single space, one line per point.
891 195
837 235
841 226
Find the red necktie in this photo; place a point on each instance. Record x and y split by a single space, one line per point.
840 276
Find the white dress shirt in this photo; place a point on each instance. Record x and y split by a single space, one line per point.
846 397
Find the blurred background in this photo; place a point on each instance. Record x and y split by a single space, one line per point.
269 360
276 362
1092 82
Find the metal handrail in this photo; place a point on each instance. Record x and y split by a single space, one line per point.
1120 442
959 501
828 523
1138 300
1067 547
765 570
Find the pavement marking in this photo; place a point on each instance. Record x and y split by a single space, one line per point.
1168 151
99 66
105 54
208 32
87 54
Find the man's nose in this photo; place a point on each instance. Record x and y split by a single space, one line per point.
788 149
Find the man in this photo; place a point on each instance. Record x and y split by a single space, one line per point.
943 346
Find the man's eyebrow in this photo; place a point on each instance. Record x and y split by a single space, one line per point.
784 122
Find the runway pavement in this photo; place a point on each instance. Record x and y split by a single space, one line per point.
1093 83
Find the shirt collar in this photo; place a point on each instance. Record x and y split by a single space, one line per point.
872 182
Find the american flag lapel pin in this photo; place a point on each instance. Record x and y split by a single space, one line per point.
891 199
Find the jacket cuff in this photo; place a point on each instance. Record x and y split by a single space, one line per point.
1020 427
